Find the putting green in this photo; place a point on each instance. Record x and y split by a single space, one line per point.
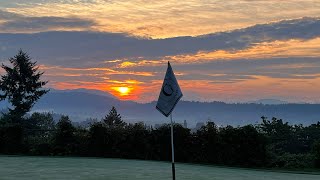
16 168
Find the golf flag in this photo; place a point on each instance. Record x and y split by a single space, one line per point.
170 93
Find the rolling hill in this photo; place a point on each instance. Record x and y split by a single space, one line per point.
81 104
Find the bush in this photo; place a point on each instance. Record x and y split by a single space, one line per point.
11 139
316 152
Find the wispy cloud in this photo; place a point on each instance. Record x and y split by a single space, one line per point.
92 48
168 18
15 23
275 49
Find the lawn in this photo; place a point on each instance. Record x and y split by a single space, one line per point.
19 167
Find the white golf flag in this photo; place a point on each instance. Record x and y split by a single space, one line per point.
170 93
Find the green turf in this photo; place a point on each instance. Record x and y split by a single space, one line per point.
15 168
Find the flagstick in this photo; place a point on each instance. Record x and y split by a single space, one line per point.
172 151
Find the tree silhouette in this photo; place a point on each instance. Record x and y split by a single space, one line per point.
21 85
64 138
113 119
316 152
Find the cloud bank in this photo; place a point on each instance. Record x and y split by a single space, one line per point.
167 18
270 60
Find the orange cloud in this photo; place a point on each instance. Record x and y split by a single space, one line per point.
275 49
300 87
99 71
111 86
266 50
207 90
171 18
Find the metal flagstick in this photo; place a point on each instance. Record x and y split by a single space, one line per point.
172 151
169 96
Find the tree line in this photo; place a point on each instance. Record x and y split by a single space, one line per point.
273 143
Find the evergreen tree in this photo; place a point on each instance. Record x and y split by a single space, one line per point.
113 119
64 138
21 85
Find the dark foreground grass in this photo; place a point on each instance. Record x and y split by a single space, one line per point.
28 167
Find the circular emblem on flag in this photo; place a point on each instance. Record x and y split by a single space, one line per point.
167 89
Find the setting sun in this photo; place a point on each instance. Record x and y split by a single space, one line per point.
123 90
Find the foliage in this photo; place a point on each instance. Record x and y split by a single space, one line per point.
264 145
21 85
64 137
98 140
113 119
39 128
40 122
11 139
316 152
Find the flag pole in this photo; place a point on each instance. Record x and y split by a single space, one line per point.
172 151
169 96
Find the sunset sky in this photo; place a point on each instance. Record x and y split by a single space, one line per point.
233 51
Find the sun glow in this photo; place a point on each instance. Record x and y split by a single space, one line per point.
123 90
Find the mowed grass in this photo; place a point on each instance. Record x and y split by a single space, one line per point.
19 167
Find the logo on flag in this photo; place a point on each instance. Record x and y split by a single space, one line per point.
170 93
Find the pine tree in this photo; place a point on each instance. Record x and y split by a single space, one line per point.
21 85
113 119
64 139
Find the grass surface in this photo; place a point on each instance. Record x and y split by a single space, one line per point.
19 167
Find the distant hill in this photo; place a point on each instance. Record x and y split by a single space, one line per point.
268 101
83 104
79 103
89 91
